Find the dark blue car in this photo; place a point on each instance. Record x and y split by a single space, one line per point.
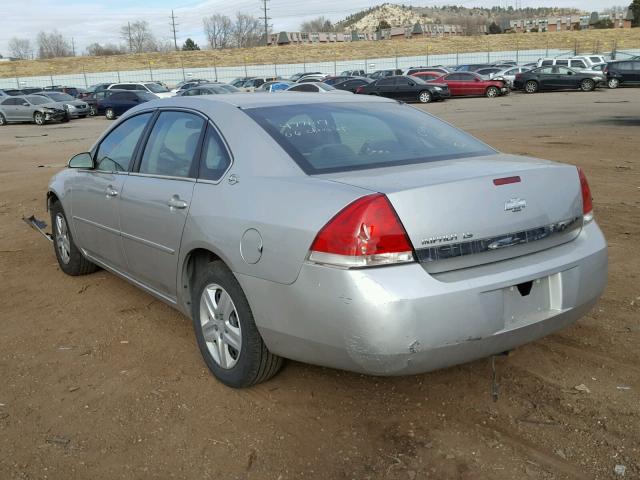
115 105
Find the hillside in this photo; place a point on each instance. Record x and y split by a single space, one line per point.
586 41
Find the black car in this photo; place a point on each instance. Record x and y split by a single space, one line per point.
352 84
118 103
93 100
556 78
392 72
402 87
622 72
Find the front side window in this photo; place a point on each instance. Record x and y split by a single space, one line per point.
38 100
116 151
336 137
172 145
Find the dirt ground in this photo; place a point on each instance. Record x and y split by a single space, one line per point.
99 380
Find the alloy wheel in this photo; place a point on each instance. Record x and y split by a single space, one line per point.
62 238
425 97
220 326
613 83
531 87
492 92
39 118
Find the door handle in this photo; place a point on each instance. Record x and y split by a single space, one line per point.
111 192
175 202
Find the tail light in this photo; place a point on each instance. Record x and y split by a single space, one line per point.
605 70
359 89
518 75
587 202
365 233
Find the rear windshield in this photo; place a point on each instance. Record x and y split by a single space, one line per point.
60 97
339 137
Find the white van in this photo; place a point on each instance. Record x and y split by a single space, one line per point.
577 63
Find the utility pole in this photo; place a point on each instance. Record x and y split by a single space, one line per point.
130 40
173 28
266 22
73 46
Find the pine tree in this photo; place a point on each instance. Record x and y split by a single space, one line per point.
190 45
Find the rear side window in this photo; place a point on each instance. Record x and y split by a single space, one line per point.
546 62
116 151
328 137
172 145
578 64
215 158
562 62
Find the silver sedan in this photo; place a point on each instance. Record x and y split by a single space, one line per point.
347 231
75 108
31 108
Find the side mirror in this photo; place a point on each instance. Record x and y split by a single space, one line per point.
411 84
25 104
81 160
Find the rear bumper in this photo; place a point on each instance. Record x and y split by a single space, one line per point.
401 320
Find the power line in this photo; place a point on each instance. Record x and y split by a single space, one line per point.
173 28
266 22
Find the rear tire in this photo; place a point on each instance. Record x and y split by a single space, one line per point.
424 96
110 114
39 118
3 121
492 92
93 111
531 86
587 85
70 258
613 83
222 317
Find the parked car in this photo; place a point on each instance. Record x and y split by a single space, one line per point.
93 101
511 63
314 87
254 83
403 87
623 72
471 67
275 86
31 108
312 78
385 73
333 261
13 92
205 89
353 73
237 82
337 79
75 108
509 74
187 84
463 84
298 76
488 73
414 70
575 63
73 91
353 84
98 87
118 103
556 78
149 87
30 90
227 87
428 76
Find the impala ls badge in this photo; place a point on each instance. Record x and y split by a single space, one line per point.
515 205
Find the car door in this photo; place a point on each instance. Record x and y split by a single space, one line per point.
125 101
633 72
567 78
95 195
473 84
455 83
547 78
386 87
156 198
405 88
9 108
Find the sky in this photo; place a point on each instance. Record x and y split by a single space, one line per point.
89 21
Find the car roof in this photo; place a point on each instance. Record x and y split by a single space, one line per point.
260 99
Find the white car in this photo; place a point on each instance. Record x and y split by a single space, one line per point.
581 64
315 87
509 74
150 87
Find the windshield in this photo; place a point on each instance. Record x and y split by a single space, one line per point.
60 97
325 87
338 137
38 100
155 88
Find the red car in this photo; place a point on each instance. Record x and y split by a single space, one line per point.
463 84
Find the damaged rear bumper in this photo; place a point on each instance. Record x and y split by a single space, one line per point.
401 320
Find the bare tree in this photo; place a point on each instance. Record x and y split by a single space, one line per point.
52 45
246 30
20 48
138 36
218 29
320 24
96 50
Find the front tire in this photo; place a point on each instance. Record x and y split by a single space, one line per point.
227 336
110 114
93 111
3 121
613 83
492 92
39 118
531 86
587 85
424 96
70 258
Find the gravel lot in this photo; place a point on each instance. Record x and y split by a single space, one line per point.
99 380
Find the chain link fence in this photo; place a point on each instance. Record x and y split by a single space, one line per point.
226 74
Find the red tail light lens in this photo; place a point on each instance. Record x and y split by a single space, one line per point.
359 89
587 202
365 233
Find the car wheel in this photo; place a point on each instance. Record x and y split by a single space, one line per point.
110 114
39 118
3 121
70 258
613 83
587 85
227 336
492 92
424 96
66 118
531 86
93 111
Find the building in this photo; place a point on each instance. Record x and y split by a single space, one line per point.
569 22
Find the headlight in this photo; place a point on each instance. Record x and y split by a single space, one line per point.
68 106
437 89
49 110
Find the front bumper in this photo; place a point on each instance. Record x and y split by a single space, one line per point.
401 320
56 115
440 94
75 112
